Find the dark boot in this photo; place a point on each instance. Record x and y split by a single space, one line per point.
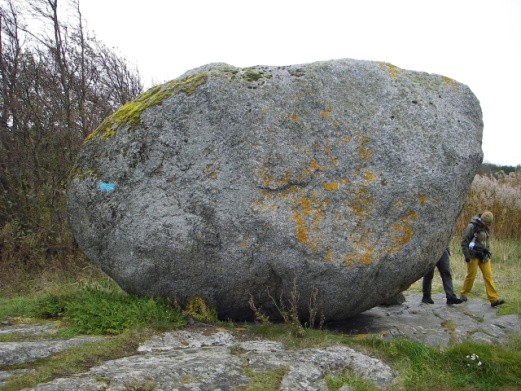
427 300
454 300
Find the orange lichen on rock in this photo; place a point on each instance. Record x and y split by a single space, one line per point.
364 152
362 202
333 160
402 232
367 256
270 181
348 260
313 165
308 213
300 226
331 186
326 113
328 257
294 117
423 199
369 176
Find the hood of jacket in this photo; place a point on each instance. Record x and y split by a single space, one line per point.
476 220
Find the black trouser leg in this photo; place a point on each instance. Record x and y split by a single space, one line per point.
427 283
443 266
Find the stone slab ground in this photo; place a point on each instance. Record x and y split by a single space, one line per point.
204 357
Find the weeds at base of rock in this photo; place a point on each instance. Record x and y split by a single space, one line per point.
146 385
289 310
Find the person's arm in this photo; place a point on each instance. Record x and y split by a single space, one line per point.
468 234
481 246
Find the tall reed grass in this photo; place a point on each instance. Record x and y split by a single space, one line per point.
501 194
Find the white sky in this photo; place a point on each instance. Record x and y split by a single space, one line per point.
476 42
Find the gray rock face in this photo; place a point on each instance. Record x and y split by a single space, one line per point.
203 361
12 353
341 178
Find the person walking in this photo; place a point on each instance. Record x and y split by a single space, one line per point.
443 266
475 245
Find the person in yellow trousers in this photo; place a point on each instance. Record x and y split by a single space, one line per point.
475 245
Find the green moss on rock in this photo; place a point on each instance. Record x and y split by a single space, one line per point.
130 113
252 75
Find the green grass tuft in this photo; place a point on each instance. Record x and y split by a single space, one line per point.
466 366
355 383
95 311
264 381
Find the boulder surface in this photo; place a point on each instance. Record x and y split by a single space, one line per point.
334 185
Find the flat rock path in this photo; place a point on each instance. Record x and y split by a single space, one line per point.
202 357
435 324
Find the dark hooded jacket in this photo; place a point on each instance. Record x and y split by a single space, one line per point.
481 234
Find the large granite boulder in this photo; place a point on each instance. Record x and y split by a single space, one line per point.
338 180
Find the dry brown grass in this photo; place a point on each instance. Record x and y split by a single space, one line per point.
501 194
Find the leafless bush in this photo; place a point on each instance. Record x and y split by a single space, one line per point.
57 84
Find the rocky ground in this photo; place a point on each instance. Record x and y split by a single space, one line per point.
203 357
435 324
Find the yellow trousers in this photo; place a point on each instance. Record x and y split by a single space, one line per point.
486 270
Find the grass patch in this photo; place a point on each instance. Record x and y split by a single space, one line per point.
17 307
348 378
93 310
264 381
309 338
435 369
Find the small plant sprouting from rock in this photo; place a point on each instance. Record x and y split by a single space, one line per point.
147 385
260 317
198 310
289 311
288 308
313 310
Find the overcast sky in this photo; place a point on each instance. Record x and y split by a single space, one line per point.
476 42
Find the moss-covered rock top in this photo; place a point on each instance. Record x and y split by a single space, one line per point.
130 113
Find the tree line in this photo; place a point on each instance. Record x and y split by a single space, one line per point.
57 83
493 169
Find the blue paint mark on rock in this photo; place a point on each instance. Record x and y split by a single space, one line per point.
107 187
